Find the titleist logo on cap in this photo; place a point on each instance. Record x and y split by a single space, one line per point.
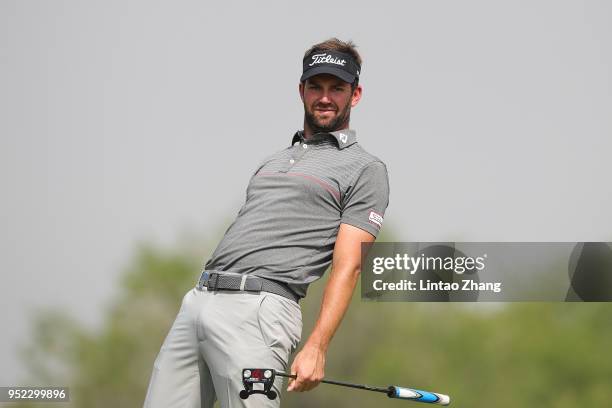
326 59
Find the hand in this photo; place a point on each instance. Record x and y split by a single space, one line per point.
309 366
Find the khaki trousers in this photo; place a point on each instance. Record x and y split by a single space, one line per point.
215 335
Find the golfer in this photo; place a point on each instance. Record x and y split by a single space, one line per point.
310 205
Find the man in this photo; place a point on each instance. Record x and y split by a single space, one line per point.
307 206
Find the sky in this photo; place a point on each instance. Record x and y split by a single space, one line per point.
131 121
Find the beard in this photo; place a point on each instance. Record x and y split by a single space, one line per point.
319 126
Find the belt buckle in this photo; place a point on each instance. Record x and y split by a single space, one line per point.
202 280
211 283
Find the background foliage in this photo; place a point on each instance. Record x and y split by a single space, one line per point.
483 355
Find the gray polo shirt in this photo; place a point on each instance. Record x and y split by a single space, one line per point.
295 202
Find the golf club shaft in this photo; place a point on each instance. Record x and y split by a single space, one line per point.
391 391
342 383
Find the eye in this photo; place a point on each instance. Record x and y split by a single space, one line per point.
339 88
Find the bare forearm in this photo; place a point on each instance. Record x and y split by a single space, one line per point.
309 363
336 298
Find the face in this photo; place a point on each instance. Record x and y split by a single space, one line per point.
327 102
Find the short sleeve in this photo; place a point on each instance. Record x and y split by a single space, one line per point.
367 198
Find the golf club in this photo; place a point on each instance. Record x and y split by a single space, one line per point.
265 376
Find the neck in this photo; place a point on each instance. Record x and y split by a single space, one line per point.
308 131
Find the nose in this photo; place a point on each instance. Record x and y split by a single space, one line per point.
325 98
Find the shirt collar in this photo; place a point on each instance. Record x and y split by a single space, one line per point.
344 137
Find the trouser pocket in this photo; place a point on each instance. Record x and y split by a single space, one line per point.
280 322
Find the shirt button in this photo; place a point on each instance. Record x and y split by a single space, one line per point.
305 145
291 161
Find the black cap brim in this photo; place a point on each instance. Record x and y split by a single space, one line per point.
343 75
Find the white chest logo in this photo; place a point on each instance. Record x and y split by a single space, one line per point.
343 138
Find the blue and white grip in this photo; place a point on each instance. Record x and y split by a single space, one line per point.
418 395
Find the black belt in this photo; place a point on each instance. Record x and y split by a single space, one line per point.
248 283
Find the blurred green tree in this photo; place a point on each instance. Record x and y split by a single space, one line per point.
502 355
111 367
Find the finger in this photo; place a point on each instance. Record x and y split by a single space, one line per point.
293 383
295 386
309 386
305 382
298 384
312 384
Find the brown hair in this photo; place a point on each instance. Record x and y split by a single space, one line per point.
334 44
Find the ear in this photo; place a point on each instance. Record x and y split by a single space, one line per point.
301 90
356 97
